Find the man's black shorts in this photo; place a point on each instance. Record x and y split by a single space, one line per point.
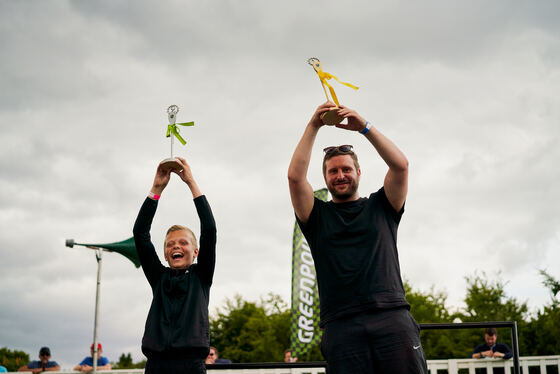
374 343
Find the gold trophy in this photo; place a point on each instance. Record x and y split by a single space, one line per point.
331 117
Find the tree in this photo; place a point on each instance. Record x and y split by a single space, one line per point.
552 284
244 331
13 360
429 307
486 301
125 362
543 331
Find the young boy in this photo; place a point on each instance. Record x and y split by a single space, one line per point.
176 336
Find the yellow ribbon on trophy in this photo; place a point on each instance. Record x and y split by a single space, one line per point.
324 77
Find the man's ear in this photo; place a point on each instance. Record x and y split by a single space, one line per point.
195 253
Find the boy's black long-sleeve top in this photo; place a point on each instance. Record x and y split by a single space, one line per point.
177 324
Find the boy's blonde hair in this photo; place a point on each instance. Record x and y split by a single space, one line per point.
179 228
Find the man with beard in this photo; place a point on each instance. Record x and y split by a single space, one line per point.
491 348
367 327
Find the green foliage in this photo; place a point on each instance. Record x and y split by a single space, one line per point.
429 307
549 282
486 301
125 362
13 360
543 331
246 331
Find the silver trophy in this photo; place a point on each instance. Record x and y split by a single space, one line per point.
173 132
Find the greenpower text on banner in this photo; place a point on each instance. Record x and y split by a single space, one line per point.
304 327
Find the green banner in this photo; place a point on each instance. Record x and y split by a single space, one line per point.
304 326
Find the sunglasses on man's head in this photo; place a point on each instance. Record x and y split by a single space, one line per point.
346 148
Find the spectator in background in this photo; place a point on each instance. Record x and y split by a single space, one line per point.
288 356
43 364
87 363
213 358
492 349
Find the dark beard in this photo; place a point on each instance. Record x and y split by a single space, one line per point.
345 195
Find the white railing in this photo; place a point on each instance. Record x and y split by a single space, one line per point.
287 370
452 366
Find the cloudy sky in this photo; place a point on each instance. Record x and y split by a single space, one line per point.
468 91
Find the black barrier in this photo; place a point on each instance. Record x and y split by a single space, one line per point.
471 325
423 326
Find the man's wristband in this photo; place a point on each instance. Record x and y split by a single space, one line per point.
366 129
153 196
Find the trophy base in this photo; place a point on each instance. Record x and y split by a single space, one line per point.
171 164
331 117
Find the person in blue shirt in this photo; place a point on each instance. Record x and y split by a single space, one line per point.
43 364
492 349
87 363
3 369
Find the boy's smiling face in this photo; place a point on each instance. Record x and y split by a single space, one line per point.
180 250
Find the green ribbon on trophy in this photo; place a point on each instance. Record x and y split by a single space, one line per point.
172 127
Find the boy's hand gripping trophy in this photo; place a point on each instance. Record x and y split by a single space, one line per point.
331 117
172 132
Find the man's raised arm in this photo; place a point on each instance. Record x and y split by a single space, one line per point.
301 191
396 180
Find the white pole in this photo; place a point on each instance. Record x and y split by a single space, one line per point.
172 136
98 255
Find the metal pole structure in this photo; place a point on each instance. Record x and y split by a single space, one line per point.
468 325
515 348
98 255
171 136
125 248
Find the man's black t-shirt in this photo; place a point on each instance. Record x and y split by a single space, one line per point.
354 247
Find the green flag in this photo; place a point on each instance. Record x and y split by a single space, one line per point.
304 326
